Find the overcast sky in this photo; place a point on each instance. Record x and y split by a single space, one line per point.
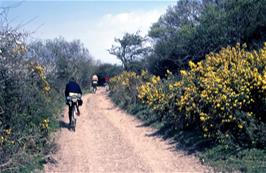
95 23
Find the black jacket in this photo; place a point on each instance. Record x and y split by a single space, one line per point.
72 87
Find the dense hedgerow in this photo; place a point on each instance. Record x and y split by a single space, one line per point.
32 81
223 96
28 106
126 82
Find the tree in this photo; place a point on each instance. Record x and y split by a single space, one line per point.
64 59
171 36
193 28
130 48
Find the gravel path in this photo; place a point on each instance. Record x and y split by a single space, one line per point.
109 140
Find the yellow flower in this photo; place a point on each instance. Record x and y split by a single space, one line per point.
8 131
168 72
249 114
204 93
192 64
2 139
46 88
202 118
183 72
171 86
240 126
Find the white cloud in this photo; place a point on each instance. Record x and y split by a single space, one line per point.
101 36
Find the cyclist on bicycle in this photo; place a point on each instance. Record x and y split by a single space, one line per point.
94 82
72 87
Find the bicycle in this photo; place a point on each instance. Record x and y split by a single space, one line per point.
74 100
94 86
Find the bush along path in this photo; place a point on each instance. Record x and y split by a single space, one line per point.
109 140
216 107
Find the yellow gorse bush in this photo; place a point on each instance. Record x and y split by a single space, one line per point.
223 95
152 93
123 79
222 91
45 123
124 87
5 137
40 70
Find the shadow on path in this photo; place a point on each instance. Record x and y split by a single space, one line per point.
63 124
186 140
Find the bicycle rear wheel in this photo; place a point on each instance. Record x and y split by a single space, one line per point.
73 118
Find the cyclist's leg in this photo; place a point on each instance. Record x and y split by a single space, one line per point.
94 87
92 84
78 110
69 114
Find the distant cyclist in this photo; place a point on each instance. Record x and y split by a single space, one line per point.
94 82
72 87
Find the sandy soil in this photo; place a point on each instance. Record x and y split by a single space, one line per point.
109 140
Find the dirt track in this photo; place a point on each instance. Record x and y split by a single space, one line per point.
109 140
